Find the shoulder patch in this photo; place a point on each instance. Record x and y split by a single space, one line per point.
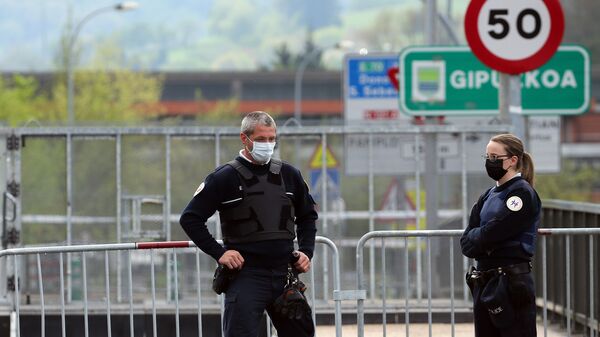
514 203
200 188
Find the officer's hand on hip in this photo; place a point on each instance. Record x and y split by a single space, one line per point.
232 259
303 263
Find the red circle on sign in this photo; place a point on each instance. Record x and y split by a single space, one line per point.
557 25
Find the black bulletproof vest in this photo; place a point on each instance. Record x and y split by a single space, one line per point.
265 212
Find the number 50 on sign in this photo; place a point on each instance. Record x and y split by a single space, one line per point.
514 36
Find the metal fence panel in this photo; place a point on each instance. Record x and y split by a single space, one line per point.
562 288
99 297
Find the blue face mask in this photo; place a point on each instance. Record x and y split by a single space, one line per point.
262 151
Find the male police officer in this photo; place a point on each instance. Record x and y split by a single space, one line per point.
263 203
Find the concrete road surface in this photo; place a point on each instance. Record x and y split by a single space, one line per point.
419 330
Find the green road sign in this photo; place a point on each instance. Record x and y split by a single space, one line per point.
437 81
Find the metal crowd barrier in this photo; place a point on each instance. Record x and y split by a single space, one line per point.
170 248
407 241
410 240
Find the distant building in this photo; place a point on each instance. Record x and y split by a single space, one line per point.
193 93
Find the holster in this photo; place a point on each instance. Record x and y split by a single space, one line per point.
468 278
222 279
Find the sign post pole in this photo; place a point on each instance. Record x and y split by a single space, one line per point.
509 104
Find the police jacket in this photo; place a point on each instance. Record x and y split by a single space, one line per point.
249 208
503 225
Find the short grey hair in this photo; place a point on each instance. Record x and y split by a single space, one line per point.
255 118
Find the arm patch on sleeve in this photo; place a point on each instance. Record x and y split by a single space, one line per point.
200 188
514 203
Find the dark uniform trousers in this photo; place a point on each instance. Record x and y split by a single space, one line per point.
524 307
251 293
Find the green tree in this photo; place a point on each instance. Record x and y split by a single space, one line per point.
283 57
572 183
287 60
107 91
20 100
108 96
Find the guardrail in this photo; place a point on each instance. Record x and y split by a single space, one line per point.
171 249
586 317
557 295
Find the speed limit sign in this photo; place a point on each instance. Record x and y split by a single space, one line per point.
514 36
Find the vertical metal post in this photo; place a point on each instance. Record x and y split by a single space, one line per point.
17 296
568 282
62 296
465 203
153 285
85 298
119 196
130 282
325 210
591 271
360 303
383 288
452 285
418 217
429 313
199 291
217 163
509 103
371 218
406 286
168 184
177 332
13 177
42 304
545 284
5 171
167 210
430 21
312 294
69 178
431 183
504 98
337 286
431 180
107 290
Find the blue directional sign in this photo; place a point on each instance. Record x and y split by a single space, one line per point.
367 76
332 180
369 94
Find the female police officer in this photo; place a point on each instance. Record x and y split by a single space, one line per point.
501 237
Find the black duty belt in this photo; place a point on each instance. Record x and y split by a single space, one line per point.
482 277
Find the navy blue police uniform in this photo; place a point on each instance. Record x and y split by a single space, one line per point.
501 237
259 206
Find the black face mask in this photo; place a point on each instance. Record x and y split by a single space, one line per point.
494 169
